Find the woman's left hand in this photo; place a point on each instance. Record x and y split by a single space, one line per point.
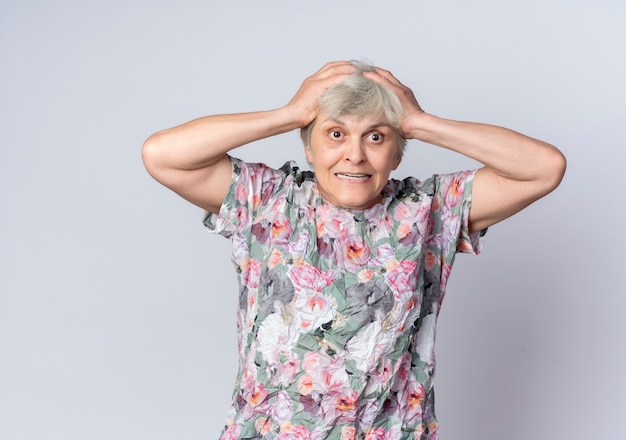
517 169
411 109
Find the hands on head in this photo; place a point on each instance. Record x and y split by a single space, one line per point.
305 102
517 169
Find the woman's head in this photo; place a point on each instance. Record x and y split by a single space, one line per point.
359 96
355 141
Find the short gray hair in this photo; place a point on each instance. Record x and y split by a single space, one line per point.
358 95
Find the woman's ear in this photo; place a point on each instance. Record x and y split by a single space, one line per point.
308 154
397 160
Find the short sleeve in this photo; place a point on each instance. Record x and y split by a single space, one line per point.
252 184
451 209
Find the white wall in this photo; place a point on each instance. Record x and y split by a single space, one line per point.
117 308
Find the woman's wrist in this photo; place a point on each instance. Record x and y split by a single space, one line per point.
422 126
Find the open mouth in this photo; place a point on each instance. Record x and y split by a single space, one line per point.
353 176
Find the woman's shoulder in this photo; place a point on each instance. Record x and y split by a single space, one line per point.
412 186
289 169
293 170
287 183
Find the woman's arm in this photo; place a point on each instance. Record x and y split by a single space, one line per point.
518 170
191 159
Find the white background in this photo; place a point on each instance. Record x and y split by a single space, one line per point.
117 309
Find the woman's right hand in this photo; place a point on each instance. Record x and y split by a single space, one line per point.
191 159
412 112
305 102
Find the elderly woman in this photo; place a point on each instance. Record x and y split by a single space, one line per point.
342 270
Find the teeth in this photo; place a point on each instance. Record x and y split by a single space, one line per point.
354 176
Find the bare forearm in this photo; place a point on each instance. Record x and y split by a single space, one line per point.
507 153
204 141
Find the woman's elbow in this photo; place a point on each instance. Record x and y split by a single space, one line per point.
152 155
555 165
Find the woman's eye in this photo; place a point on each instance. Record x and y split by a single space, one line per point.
376 137
335 134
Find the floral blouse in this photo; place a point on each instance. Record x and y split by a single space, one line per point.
337 307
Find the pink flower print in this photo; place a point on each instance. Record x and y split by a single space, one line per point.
269 189
306 276
250 271
433 430
281 229
435 205
305 384
261 174
411 401
287 369
346 404
403 230
241 214
327 226
464 245
300 247
248 380
403 367
347 432
275 257
402 277
262 425
412 308
240 249
431 259
403 212
379 379
252 391
356 252
413 236
275 226
376 434
451 233
368 412
365 275
255 202
231 433
258 395
383 228
313 310
415 397
313 360
325 374
293 432
281 410
241 194
384 253
455 191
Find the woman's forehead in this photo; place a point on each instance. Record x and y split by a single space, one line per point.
355 120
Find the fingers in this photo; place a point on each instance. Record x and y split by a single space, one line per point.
384 77
335 70
409 103
305 101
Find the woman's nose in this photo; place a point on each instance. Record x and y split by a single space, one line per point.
354 152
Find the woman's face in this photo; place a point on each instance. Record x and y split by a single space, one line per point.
352 157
